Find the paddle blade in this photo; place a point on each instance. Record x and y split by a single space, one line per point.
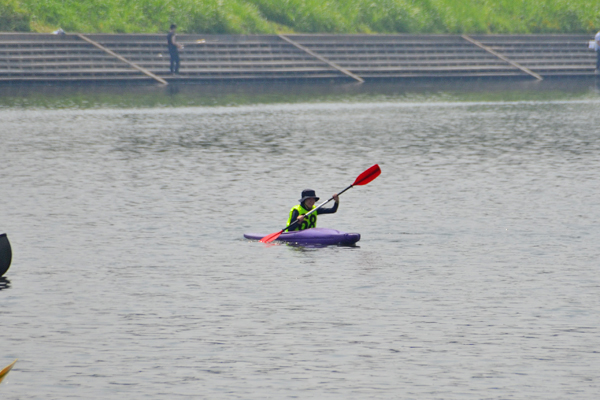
271 237
368 175
5 370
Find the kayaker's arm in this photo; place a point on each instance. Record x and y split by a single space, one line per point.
295 214
331 210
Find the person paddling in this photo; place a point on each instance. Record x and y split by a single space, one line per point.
307 203
364 178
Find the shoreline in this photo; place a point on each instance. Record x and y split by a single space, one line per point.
31 57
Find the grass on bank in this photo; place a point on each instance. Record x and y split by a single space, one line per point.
306 16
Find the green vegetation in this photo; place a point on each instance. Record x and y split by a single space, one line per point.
12 17
307 16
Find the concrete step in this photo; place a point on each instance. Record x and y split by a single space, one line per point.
38 56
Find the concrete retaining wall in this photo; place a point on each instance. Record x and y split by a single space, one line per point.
44 57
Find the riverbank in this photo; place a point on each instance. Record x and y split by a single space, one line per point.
357 58
302 16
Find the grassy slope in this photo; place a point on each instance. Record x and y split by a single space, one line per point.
313 16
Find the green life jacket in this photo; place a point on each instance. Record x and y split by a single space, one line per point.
309 222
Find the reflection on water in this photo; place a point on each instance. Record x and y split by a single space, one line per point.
57 96
4 283
476 275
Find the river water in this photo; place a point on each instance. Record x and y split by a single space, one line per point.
476 276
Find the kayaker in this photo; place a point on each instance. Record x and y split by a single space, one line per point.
307 203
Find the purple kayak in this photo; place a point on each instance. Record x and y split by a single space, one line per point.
314 236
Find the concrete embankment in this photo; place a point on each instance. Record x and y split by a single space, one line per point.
74 57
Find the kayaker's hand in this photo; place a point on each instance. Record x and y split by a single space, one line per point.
300 219
336 198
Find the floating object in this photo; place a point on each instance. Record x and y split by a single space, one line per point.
313 237
6 370
5 254
364 178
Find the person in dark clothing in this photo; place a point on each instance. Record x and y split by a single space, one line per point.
174 48
307 203
597 40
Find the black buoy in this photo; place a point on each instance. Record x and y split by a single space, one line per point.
5 254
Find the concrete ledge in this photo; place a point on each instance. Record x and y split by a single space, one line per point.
46 57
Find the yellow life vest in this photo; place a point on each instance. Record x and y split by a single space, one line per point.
309 222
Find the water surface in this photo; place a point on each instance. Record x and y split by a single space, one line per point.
476 276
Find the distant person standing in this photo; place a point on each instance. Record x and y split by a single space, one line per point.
174 48
597 40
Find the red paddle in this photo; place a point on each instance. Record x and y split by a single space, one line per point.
362 179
